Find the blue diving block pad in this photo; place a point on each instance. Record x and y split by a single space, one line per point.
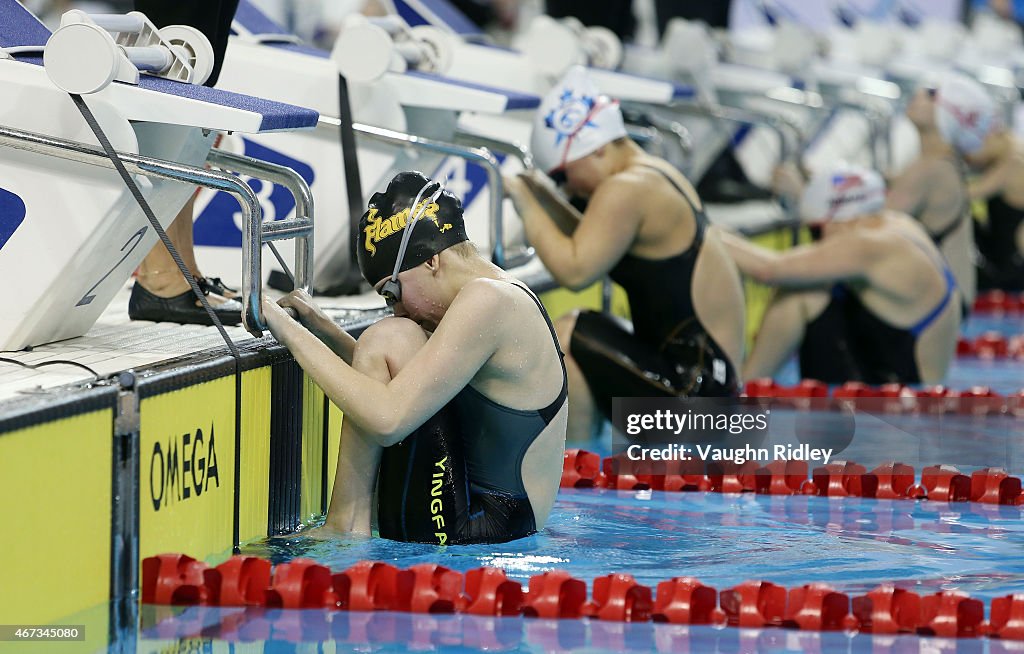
18 27
436 12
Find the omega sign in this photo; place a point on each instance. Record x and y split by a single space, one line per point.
183 467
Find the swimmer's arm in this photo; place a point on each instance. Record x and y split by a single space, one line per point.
604 235
463 342
826 261
992 181
529 194
334 337
908 191
316 321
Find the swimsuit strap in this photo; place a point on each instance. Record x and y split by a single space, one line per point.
698 213
950 280
548 412
940 236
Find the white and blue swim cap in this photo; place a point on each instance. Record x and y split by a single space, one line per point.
574 120
964 112
843 192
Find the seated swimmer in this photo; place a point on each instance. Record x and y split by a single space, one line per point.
872 300
1000 182
459 400
952 120
645 227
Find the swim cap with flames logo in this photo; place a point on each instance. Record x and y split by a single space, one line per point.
842 193
387 218
574 120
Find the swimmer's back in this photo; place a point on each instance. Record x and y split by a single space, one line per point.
525 374
907 278
672 223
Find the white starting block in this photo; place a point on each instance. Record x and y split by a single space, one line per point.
71 232
404 115
674 104
83 56
367 48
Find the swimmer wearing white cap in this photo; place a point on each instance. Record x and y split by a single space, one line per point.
999 165
953 120
871 301
645 227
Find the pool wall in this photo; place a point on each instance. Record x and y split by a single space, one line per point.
180 456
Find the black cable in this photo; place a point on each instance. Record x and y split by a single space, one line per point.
173 251
55 362
146 209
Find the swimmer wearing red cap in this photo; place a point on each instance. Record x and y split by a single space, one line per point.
456 407
645 227
872 300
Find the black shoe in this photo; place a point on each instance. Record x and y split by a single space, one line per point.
181 309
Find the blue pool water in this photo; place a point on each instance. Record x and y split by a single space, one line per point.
725 539
853 544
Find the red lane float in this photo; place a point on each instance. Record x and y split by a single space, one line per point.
685 600
555 594
619 598
178 579
888 610
889 481
615 598
998 302
490 592
811 395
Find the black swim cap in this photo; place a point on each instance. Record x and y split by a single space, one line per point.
382 226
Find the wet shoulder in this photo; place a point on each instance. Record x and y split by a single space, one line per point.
496 297
483 298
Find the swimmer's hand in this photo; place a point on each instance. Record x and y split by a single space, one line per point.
536 179
275 316
517 191
515 187
301 303
787 181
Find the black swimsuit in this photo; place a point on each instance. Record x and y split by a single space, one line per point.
1003 265
669 353
458 478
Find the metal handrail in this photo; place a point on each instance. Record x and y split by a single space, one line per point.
299 228
136 164
774 122
483 156
514 148
521 152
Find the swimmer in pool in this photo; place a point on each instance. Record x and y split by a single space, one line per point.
645 227
872 300
1000 183
456 407
952 119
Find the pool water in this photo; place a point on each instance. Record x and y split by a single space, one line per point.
724 539
852 544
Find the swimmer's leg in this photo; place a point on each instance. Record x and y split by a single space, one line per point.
583 414
158 273
782 330
382 350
